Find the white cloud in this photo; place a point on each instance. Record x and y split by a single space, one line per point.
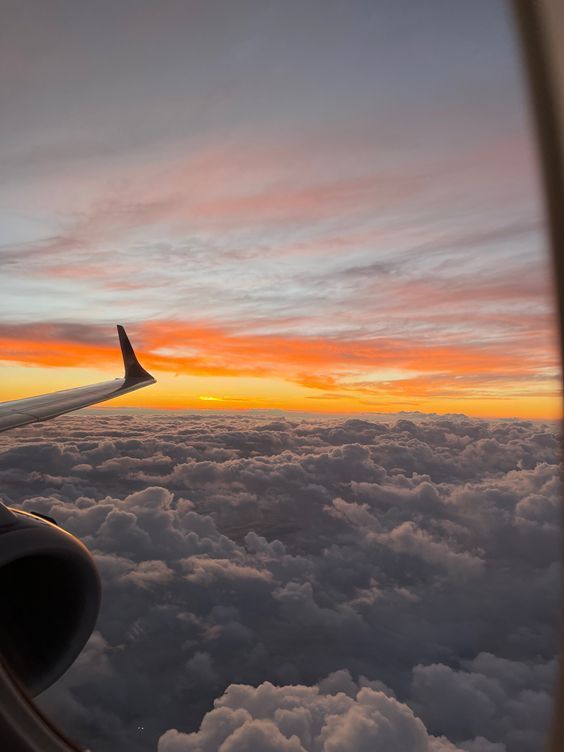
417 561
299 718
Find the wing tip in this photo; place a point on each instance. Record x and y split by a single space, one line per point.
134 371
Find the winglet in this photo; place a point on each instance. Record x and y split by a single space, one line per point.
134 371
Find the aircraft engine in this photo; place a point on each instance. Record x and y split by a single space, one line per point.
49 597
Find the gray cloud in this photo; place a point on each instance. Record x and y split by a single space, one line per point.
319 585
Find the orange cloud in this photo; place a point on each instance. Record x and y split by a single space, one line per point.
380 370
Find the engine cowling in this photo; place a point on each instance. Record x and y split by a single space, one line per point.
49 597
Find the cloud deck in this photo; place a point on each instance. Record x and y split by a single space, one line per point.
291 584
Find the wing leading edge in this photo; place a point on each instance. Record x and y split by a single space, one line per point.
46 406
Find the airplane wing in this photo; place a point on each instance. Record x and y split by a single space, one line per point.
46 406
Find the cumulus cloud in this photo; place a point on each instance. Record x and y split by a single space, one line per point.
318 585
505 699
298 718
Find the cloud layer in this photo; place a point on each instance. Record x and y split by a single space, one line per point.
294 584
343 370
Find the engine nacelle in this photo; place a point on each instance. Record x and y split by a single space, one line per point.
49 597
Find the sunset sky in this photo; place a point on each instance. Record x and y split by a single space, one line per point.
320 206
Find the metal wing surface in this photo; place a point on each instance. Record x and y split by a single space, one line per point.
46 406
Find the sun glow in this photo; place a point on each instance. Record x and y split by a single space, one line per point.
219 386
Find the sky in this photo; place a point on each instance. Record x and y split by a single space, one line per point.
321 206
